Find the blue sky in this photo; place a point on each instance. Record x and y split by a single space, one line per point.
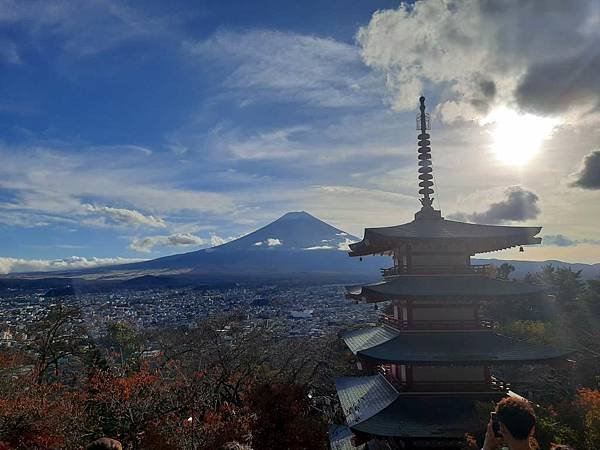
131 131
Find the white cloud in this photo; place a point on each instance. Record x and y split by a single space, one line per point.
147 244
126 216
218 240
320 247
273 242
269 242
345 245
536 53
10 265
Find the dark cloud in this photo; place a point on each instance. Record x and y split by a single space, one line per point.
589 175
488 88
520 204
484 95
559 85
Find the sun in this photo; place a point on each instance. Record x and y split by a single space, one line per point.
517 137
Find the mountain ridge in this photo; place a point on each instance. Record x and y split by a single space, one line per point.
296 246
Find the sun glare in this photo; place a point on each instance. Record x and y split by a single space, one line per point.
517 137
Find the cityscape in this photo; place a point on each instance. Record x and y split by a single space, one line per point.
303 312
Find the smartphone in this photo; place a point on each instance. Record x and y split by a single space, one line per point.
495 424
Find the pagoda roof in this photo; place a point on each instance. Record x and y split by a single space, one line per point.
447 347
363 397
372 406
419 286
478 238
364 338
340 438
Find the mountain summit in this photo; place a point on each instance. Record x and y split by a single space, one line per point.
295 246
293 231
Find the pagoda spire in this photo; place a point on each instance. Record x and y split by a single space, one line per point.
425 169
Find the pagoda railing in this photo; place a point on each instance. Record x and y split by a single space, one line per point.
494 384
438 324
499 384
475 269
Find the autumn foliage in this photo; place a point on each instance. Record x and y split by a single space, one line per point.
201 393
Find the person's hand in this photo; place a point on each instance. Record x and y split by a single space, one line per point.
491 442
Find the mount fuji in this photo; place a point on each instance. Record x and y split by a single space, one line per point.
295 245
296 248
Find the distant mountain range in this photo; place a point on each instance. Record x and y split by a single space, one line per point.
588 271
296 248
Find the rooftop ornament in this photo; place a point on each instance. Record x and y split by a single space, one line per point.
425 169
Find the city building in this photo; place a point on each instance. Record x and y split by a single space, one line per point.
430 362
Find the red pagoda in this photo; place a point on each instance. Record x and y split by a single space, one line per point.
431 361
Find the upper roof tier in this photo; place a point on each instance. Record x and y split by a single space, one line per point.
429 227
474 237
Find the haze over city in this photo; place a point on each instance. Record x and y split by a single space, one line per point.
130 132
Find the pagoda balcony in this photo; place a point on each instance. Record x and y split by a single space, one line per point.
438 324
449 386
474 269
493 385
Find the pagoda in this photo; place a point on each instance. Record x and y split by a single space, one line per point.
431 360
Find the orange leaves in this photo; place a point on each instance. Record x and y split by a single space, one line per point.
588 399
39 416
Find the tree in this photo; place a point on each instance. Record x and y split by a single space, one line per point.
565 282
504 271
285 419
58 340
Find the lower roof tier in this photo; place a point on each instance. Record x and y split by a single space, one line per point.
340 438
388 345
443 286
372 406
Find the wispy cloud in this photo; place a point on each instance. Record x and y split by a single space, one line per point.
85 28
294 67
9 53
46 186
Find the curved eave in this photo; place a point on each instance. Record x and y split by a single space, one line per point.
476 288
384 344
459 348
364 397
425 417
475 237
427 361
474 245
